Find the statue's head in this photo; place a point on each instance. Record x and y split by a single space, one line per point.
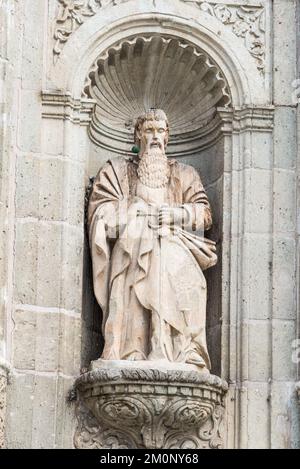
152 131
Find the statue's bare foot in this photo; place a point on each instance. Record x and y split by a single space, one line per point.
135 356
193 358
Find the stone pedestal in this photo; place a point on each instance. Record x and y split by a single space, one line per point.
142 407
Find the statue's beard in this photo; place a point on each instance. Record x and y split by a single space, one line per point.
153 169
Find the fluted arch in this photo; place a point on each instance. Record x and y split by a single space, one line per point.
110 26
143 72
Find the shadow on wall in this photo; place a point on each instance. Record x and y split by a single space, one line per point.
209 162
92 340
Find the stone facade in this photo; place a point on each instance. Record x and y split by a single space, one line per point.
56 130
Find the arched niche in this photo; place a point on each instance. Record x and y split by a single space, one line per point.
208 147
168 17
167 72
155 71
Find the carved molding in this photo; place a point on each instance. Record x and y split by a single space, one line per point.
258 119
246 21
135 408
57 105
149 374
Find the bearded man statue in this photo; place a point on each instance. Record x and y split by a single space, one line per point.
147 216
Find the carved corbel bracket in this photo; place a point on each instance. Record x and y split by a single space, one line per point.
147 408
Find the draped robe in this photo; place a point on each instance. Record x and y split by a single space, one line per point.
148 280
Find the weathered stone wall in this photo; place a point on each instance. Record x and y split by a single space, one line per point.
284 422
42 315
48 321
265 371
10 84
297 101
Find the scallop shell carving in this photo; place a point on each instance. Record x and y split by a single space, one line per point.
153 72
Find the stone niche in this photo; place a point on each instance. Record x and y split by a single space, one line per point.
170 73
140 406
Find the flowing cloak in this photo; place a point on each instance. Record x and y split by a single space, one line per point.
150 285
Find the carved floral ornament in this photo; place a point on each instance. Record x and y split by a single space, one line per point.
245 21
153 409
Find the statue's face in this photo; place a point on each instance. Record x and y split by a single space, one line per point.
153 135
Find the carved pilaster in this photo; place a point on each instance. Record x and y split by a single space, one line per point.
147 408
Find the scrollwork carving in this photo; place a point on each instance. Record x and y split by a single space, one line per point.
245 21
72 14
90 435
124 412
121 410
212 432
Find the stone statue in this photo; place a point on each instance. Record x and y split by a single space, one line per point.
147 216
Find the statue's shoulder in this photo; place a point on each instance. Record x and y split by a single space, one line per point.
184 170
117 164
